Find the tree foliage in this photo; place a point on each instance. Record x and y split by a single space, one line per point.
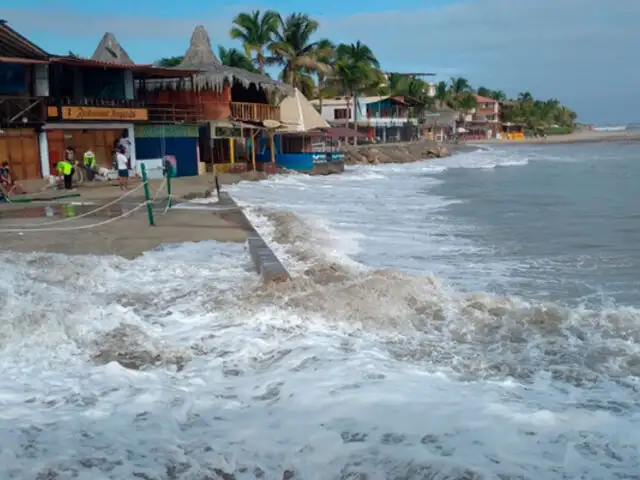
322 69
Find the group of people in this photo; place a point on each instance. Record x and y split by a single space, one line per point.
121 162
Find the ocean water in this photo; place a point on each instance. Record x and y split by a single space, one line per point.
474 317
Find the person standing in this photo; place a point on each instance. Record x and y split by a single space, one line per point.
66 170
123 168
89 162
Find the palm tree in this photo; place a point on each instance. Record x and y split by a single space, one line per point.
326 52
525 97
356 68
294 50
255 31
168 62
232 57
442 93
499 96
459 85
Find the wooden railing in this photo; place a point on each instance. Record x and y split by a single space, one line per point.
94 102
22 110
174 113
255 112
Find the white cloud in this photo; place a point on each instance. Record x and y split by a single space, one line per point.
583 52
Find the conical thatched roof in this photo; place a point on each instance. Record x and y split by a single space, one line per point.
200 55
213 74
109 50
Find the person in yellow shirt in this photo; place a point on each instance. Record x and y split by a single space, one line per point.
66 170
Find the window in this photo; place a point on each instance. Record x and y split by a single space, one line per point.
341 114
13 79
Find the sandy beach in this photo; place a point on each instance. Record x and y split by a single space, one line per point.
577 137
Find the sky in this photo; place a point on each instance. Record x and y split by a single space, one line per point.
582 52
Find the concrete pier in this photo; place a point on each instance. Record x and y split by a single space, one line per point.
264 260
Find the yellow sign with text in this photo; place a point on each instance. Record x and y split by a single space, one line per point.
105 113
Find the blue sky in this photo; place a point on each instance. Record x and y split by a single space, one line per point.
583 52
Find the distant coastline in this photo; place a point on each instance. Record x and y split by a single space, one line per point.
585 136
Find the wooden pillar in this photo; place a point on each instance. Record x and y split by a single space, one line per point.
253 150
232 150
272 147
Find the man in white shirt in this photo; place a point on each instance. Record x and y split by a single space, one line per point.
123 169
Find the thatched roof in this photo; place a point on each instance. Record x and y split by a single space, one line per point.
109 50
213 74
446 117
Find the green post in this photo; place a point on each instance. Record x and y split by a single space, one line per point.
143 169
169 187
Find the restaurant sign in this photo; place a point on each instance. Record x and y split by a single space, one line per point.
104 113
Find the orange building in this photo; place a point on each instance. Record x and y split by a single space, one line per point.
233 103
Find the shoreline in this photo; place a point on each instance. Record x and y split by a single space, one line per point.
566 139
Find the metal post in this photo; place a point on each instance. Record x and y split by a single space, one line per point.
143 169
169 203
272 147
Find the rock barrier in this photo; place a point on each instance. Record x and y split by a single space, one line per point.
264 260
393 153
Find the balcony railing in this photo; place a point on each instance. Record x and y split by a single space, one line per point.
256 112
175 113
22 110
94 102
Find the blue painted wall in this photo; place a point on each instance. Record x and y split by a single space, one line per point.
183 148
301 162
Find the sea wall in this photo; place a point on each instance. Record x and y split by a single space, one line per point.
393 153
264 260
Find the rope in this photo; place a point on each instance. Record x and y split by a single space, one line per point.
80 227
54 222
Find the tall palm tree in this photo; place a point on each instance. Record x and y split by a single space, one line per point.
294 50
232 57
326 52
459 85
442 93
356 68
255 30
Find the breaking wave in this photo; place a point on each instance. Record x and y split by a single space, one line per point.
179 364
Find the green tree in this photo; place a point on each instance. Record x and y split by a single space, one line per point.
232 57
169 62
294 50
326 53
256 31
356 68
459 85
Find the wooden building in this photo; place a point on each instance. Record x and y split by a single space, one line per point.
233 102
93 104
23 90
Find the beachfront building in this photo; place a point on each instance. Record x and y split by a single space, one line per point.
49 103
94 104
481 122
303 141
232 104
440 124
23 92
381 118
